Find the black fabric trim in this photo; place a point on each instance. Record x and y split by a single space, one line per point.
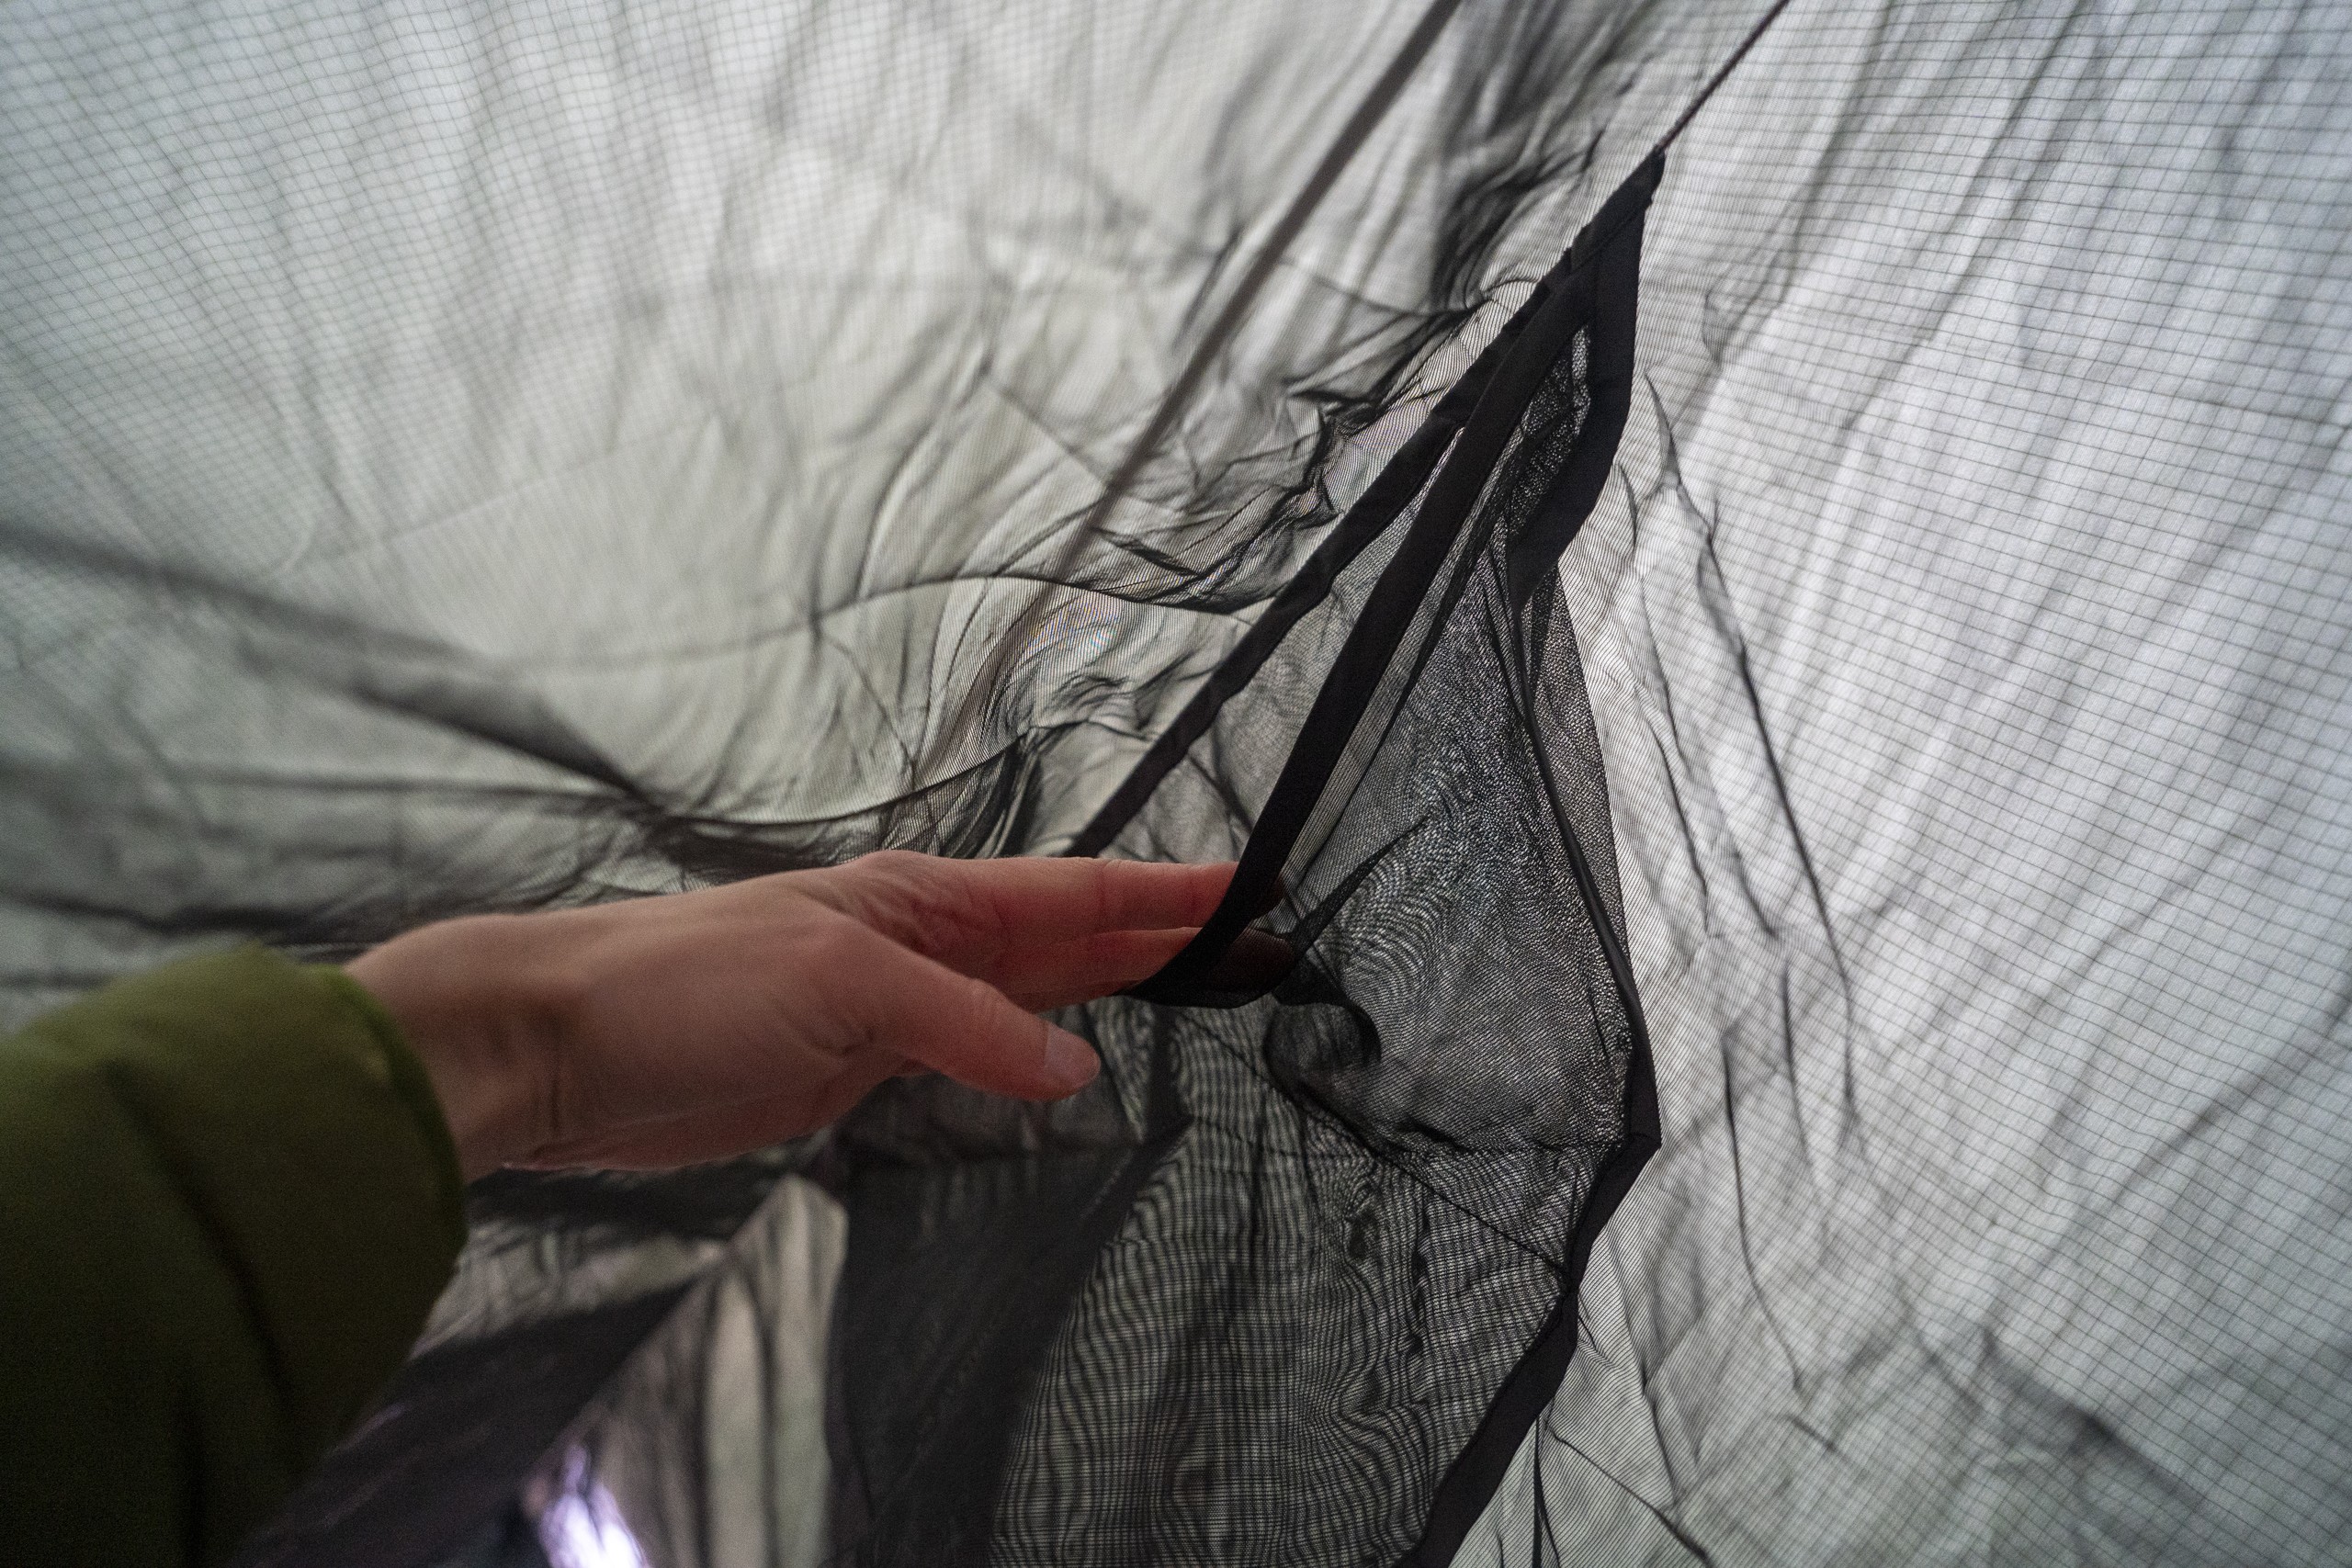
1594 289
1477 1471
1605 262
1571 297
1386 497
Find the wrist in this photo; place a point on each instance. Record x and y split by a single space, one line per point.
462 994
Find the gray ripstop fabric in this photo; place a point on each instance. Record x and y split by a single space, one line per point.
481 458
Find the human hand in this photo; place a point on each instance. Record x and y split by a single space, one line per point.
687 1026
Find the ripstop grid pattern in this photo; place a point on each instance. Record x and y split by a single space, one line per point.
429 486
1968 647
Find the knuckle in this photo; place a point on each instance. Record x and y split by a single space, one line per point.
1103 884
841 953
826 937
893 863
950 904
843 969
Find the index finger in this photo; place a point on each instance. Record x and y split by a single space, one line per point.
950 908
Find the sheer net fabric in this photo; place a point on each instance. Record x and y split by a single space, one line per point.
1349 1208
458 459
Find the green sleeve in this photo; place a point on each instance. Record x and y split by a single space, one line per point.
227 1203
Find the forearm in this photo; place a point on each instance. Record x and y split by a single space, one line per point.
229 1191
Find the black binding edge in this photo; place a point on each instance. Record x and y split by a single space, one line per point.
1595 286
1388 494
1471 1480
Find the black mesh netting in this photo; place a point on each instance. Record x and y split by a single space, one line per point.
456 458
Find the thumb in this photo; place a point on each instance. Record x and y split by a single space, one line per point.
901 1003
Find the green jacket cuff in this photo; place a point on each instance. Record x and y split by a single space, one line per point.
227 1201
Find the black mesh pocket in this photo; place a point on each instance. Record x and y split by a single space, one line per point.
1461 999
1351 1270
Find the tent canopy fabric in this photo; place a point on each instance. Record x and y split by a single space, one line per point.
456 458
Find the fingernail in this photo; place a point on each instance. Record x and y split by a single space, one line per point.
1069 1061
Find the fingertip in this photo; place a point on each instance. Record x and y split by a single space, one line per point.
1070 1063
